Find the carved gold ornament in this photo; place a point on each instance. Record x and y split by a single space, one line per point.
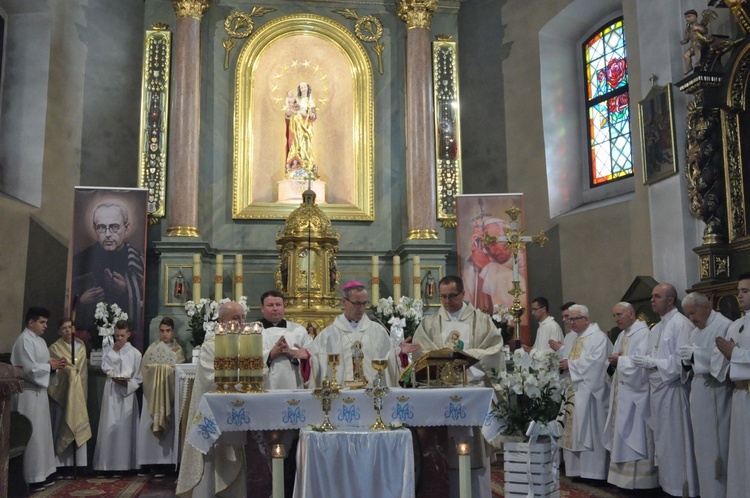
416 13
239 25
369 29
190 8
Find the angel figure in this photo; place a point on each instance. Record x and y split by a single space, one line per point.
696 34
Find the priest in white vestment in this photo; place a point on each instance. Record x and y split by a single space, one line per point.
731 360
548 333
118 422
31 354
627 437
710 399
583 451
357 339
286 360
668 397
70 418
458 324
221 472
155 439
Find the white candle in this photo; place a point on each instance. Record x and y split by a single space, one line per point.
220 354
417 271
219 279
464 470
238 277
196 277
375 288
515 269
396 278
277 471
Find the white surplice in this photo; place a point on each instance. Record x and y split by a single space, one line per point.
118 423
339 338
548 330
282 373
583 451
30 351
738 370
626 436
670 413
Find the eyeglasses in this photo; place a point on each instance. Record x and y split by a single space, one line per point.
575 318
113 228
363 304
450 296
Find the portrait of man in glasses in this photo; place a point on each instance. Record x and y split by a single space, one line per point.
109 270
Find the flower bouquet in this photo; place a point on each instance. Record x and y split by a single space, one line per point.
204 317
503 320
106 316
400 319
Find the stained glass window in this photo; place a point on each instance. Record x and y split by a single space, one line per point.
607 105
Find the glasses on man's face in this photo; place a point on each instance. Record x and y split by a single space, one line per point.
449 297
113 228
363 304
575 318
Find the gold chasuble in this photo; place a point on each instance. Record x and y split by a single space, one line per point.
70 393
157 370
575 353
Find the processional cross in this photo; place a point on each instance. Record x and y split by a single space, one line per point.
515 239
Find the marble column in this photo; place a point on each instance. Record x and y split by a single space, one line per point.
420 123
184 131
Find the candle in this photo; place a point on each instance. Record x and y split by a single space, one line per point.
232 359
277 471
238 277
464 470
515 269
396 278
220 354
196 277
375 280
251 346
219 280
417 270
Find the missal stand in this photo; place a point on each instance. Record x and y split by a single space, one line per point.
439 368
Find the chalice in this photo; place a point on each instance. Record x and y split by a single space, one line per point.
378 392
334 360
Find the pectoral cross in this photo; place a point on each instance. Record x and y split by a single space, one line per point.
516 240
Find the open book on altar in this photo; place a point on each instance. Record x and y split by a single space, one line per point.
439 368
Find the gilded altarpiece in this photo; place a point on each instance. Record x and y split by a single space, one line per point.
276 61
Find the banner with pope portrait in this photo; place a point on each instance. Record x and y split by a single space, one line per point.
485 261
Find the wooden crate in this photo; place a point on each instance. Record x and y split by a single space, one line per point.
516 457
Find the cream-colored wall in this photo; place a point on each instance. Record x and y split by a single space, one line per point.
601 250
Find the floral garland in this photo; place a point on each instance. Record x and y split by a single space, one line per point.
204 317
105 317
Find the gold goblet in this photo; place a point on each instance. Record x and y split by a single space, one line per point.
334 360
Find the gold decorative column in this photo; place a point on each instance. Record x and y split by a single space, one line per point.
184 139
420 131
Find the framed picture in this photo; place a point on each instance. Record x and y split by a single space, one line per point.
657 134
484 263
303 119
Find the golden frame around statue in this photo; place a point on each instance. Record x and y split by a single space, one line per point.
323 53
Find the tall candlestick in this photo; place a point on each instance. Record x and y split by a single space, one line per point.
238 277
375 281
219 279
417 281
277 471
464 470
396 278
196 277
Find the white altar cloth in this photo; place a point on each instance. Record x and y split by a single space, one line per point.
355 462
296 409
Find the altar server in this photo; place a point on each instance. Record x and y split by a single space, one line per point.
284 346
583 451
30 353
731 360
155 438
115 441
356 339
668 397
710 399
628 438
70 418
548 333
221 472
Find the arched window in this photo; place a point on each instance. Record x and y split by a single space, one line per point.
605 66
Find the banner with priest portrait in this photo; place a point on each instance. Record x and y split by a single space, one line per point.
485 262
107 255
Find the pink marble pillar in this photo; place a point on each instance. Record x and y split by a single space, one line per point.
420 123
184 131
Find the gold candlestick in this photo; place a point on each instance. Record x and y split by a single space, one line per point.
334 360
378 392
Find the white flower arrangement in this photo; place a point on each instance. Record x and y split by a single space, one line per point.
402 318
106 316
204 317
500 314
532 392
